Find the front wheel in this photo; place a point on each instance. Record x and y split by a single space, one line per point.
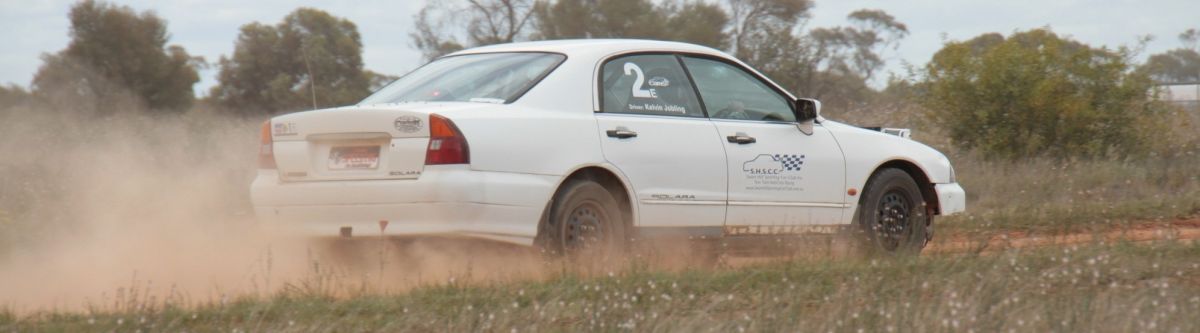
585 223
892 216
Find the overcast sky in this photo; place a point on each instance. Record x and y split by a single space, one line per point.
208 28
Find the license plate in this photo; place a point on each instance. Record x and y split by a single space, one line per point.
350 158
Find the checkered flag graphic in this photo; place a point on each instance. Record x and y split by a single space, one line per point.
790 162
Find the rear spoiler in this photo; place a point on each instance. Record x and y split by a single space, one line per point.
900 132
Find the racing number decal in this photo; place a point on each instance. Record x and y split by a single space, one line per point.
654 95
639 81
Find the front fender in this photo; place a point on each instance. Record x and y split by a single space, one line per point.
866 151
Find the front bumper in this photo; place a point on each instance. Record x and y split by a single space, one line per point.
952 199
444 200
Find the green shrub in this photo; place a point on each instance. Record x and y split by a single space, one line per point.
1035 93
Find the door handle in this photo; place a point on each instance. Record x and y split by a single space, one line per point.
741 139
621 133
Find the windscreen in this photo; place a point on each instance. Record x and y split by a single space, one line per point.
485 78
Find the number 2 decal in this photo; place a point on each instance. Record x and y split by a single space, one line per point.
637 82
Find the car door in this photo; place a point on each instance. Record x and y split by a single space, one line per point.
654 131
781 180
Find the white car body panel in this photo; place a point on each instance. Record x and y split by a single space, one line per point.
506 138
952 198
669 195
445 199
867 150
785 178
677 172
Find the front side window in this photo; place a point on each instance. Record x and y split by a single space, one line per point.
485 77
731 93
653 84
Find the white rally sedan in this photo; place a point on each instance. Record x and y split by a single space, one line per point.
586 144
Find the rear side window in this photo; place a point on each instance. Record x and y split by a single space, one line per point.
653 84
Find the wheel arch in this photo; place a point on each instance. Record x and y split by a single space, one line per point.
918 174
606 176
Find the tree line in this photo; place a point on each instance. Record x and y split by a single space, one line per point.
118 60
1031 92
834 64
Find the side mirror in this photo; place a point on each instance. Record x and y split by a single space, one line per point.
807 109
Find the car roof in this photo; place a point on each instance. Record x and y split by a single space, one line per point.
572 47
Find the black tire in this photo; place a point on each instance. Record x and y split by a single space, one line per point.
585 222
892 218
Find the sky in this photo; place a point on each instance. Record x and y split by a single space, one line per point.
208 28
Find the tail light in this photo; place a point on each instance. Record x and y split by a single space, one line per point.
266 151
447 145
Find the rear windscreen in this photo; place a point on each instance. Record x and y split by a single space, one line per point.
485 78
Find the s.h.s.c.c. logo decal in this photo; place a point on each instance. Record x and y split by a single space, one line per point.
774 172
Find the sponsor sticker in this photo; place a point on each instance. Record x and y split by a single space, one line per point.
284 129
487 100
774 172
659 81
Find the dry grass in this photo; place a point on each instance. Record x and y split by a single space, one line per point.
1043 195
1102 288
1056 195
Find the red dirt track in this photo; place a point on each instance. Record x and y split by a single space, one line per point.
1175 230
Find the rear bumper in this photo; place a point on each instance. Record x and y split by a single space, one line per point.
444 200
952 199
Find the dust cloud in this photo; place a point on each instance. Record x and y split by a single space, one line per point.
126 210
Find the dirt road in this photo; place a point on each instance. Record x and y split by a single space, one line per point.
1178 230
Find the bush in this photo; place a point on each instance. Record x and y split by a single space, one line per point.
1035 93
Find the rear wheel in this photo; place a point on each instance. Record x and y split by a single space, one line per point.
892 216
585 222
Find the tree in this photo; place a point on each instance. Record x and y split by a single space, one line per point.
833 64
755 22
499 21
1175 66
565 19
1181 65
697 23
117 58
12 95
1190 39
376 81
430 36
1035 93
856 50
310 60
694 22
440 25
486 22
